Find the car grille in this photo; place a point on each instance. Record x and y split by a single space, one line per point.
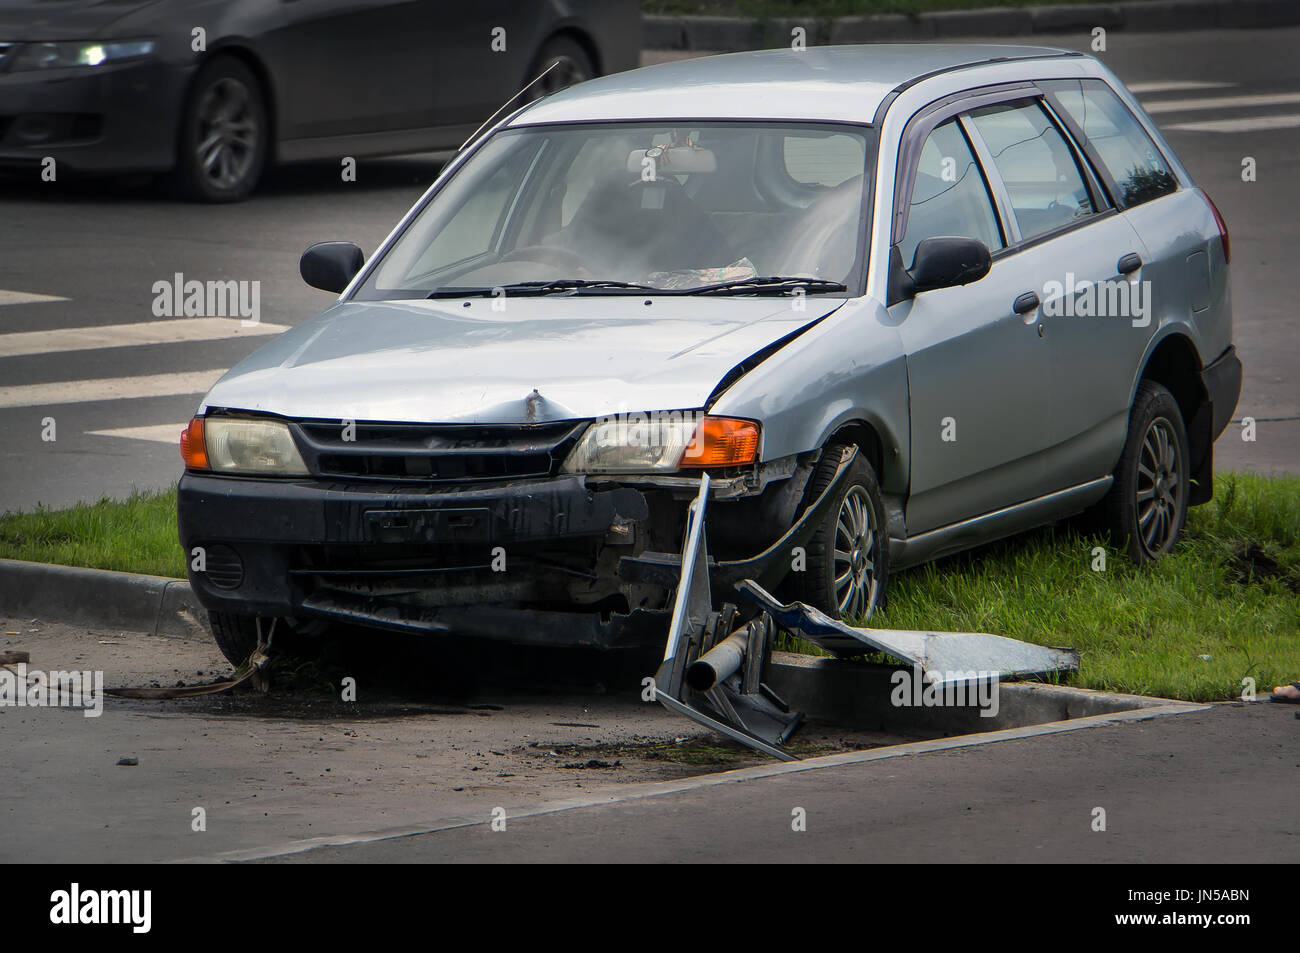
436 453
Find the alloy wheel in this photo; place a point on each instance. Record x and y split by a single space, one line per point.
1159 487
854 556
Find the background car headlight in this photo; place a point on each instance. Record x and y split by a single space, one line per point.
237 445
71 53
660 443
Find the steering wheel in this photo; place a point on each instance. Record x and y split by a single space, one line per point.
551 255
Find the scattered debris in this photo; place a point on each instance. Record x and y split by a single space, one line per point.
128 762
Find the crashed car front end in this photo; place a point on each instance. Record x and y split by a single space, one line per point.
475 530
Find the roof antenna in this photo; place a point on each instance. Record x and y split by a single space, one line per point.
507 103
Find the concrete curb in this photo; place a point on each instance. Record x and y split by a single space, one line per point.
733 34
98 597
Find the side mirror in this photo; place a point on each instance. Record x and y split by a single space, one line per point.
947 260
329 266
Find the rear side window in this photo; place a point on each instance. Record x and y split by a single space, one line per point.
949 196
1043 180
1127 151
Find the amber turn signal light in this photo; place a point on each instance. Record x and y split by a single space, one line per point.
722 442
193 450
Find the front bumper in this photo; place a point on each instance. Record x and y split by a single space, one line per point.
110 118
409 558
546 561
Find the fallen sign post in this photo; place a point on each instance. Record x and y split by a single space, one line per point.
714 659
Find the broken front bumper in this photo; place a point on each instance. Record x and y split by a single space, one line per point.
550 561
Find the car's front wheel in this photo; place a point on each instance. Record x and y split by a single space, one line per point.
1146 506
848 557
236 635
224 135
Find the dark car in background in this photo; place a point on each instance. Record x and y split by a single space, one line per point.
213 91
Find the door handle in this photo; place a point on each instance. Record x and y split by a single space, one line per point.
1026 303
1129 263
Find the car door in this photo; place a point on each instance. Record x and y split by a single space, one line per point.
1082 261
977 372
354 67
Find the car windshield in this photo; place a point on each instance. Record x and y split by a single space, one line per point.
628 208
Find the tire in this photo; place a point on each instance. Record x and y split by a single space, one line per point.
858 501
1146 507
224 136
236 635
575 66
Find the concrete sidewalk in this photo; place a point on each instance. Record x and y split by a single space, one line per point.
1214 786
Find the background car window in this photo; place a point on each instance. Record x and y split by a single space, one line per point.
1042 178
1126 150
824 160
949 196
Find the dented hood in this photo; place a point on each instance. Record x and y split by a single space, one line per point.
461 361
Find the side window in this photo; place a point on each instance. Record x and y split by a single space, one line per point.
473 229
949 196
1127 151
1044 182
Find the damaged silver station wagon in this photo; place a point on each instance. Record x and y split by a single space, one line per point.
894 301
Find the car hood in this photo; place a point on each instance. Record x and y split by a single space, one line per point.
63 19
463 362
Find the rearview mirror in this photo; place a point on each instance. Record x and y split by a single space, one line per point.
329 266
947 260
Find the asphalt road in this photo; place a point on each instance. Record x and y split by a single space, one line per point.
78 257
584 774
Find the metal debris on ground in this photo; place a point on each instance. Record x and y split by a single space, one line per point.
715 659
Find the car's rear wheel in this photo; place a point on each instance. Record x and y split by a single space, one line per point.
1146 506
572 66
224 135
848 557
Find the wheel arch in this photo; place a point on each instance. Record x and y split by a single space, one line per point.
1175 363
237 49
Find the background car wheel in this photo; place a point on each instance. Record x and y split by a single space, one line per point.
848 557
574 66
224 134
1146 507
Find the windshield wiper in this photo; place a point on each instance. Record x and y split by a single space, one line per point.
552 286
771 285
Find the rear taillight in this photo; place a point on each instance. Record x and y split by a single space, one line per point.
1223 229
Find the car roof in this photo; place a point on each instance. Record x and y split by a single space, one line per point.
829 83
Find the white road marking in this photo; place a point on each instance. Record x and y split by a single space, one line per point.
1255 124
174 331
159 433
108 388
25 297
1173 85
1220 102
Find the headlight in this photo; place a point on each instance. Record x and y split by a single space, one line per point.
79 53
237 445
662 443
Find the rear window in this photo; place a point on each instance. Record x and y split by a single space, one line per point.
1129 154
